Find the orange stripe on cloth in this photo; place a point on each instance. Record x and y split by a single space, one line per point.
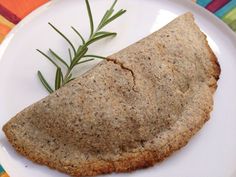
4 29
23 7
4 175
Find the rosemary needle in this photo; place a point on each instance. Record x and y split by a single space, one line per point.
76 55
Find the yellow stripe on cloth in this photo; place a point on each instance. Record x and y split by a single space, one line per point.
230 16
1 39
6 22
5 27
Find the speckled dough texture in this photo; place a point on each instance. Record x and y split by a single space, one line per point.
130 111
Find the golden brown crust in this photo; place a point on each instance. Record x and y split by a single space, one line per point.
216 66
212 57
215 63
127 163
148 155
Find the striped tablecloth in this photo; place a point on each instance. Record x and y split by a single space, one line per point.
13 11
224 9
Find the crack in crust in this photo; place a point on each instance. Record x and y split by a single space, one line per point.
125 68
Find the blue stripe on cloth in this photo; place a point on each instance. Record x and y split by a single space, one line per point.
224 10
1 169
203 2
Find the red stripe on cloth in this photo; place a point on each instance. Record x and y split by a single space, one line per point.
9 15
216 5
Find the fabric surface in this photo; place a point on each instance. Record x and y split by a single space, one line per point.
224 9
2 172
13 11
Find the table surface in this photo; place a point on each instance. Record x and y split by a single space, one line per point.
12 12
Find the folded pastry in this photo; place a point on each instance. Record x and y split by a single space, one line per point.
130 111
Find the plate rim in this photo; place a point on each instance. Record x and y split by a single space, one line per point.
38 11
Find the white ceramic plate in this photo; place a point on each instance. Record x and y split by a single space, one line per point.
211 153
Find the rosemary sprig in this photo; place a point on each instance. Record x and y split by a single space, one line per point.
76 55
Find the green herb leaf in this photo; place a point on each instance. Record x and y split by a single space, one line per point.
113 5
90 17
95 56
79 54
59 32
58 78
77 32
46 56
107 15
71 79
118 14
44 82
59 58
102 33
84 61
100 37
67 79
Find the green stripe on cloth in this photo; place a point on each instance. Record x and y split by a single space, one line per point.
233 25
230 16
